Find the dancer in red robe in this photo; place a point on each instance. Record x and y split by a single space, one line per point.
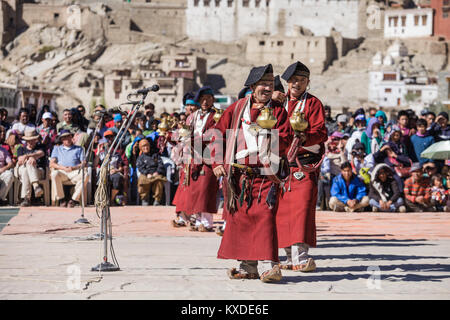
296 225
181 156
203 184
250 193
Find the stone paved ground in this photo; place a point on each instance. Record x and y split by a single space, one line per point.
359 256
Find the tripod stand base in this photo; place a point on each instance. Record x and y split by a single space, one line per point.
82 220
105 266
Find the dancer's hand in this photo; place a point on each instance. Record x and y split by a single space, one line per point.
219 171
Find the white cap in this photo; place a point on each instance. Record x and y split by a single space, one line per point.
47 115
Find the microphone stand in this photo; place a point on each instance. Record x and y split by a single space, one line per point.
82 219
102 201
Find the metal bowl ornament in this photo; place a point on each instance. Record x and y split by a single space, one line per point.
266 119
218 114
163 126
298 122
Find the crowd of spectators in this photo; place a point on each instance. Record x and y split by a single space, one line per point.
38 147
372 163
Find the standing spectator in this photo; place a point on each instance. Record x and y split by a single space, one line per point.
4 119
31 163
32 113
83 121
348 192
66 161
329 121
22 123
439 196
45 108
342 122
420 141
440 129
430 116
67 123
384 193
372 113
6 175
47 132
152 173
417 190
149 116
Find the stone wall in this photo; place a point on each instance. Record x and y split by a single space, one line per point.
316 52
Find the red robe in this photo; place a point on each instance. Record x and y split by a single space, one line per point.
250 233
296 215
202 193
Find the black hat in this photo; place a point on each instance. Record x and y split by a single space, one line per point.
296 68
203 91
257 73
243 93
277 85
359 111
358 145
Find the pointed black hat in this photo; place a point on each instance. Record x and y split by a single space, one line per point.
203 91
257 73
296 68
278 86
243 92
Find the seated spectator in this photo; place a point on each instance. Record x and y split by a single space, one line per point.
348 192
67 123
384 193
420 141
439 195
3 142
152 173
21 123
118 169
47 132
31 164
342 124
6 174
149 115
417 190
361 163
429 170
360 123
368 136
66 161
118 121
14 143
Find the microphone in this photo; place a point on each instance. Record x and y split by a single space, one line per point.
153 88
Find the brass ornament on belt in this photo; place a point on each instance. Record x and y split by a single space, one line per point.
218 114
298 122
266 119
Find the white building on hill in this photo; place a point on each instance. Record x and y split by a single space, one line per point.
408 23
231 20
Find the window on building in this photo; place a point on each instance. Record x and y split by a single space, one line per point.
230 3
446 2
117 95
257 3
424 20
387 90
416 20
293 44
262 43
395 21
217 3
403 21
292 56
206 3
279 43
389 77
245 3
163 100
56 15
196 2
267 3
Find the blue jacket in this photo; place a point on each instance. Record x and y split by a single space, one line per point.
419 145
356 189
